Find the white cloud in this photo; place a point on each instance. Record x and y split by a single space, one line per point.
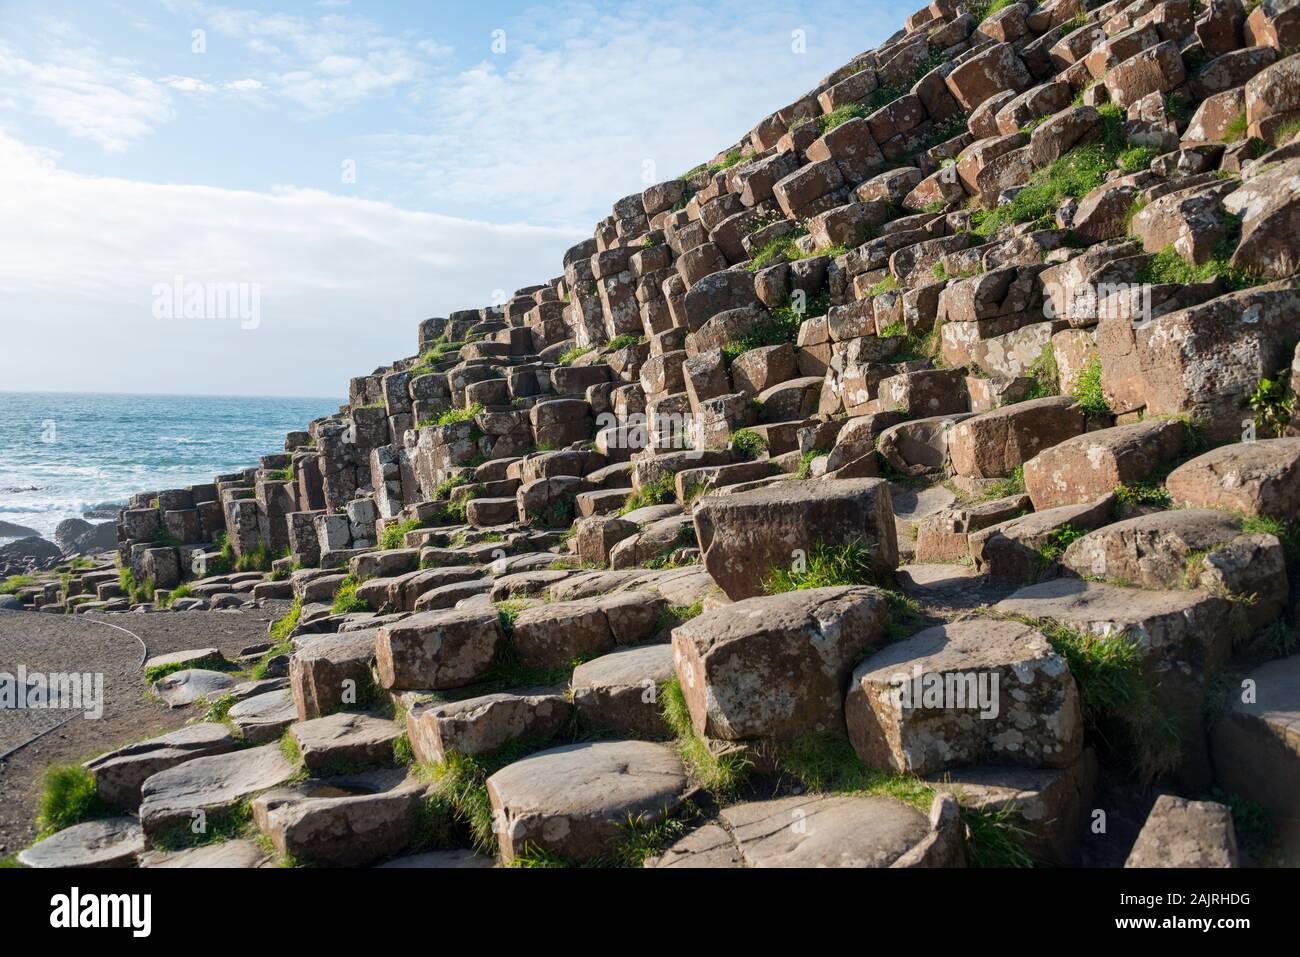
330 62
585 96
87 95
343 281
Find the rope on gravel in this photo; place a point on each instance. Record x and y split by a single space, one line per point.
144 656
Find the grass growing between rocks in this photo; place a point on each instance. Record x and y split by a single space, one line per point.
748 444
1087 390
283 627
723 774
1143 493
1272 404
652 493
453 416
1288 533
182 590
780 326
805 463
219 708
219 826
570 356
822 761
825 566
1075 175
1167 266
346 599
1013 484
395 535
68 797
1115 696
14 582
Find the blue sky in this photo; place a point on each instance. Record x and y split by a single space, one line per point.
485 138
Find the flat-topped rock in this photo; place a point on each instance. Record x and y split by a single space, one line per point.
342 821
744 537
1021 549
775 667
1183 833
1090 466
819 830
119 774
192 794
1049 804
995 443
485 723
555 634
438 649
194 658
350 739
237 853
111 842
620 691
264 717
1255 746
964 694
326 670
575 800
1253 478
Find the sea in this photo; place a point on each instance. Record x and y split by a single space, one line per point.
64 455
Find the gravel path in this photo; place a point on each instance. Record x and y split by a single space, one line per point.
81 644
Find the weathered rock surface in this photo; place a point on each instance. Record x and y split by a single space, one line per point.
775 667
573 801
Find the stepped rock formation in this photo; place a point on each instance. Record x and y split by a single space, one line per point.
969 301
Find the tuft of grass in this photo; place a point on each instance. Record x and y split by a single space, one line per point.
623 341
403 753
395 535
283 627
452 416
1236 128
780 326
1057 541
1046 375
346 600
723 774
231 823
652 493
570 356
748 444
1013 484
1143 493
805 463
825 565
644 838
1113 691
218 709
1272 403
1087 390
888 284
674 615
68 797
1167 266
1075 174
14 582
